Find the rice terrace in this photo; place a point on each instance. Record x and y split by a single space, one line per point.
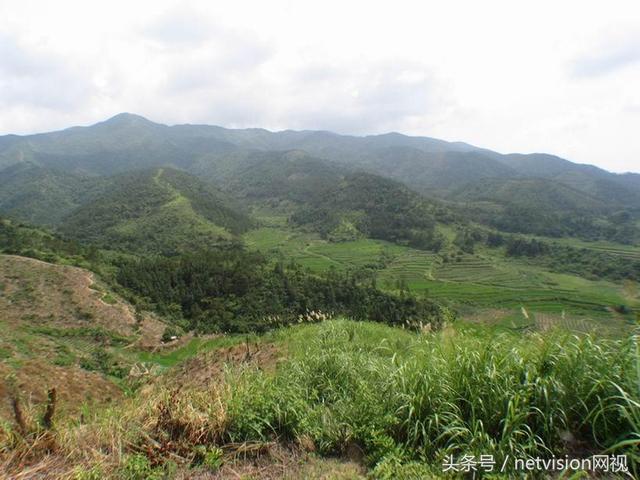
259 277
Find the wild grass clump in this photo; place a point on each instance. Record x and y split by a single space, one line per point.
408 398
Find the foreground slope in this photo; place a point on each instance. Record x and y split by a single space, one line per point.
345 399
62 328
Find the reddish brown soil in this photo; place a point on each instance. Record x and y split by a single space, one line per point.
35 297
206 368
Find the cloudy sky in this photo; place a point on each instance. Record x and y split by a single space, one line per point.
515 76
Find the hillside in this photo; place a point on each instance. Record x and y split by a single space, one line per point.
42 195
159 210
289 176
339 203
544 207
232 159
129 142
122 143
64 329
618 190
365 205
352 400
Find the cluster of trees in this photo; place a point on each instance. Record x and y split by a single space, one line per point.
619 227
466 239
225 288
519 247
232 290
19 239
377 208
567 259
585 262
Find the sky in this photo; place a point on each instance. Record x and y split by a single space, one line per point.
559 77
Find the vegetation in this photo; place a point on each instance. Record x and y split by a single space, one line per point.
230 290
405 400
544 207
310 314
19 239
160 211
370 206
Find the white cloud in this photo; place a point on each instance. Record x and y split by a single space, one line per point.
558 77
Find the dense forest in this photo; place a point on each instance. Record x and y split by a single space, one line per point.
231 290
226 288
371 206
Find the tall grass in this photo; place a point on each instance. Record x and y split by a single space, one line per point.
403 398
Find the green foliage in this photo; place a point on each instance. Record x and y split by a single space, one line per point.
105 362
405 398
20 239
94 472
210 457
138 467
109 299
232 290
580 261
544 207
159 211
44 196
170 333
377 208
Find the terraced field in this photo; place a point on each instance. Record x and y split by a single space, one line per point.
465 281
414 267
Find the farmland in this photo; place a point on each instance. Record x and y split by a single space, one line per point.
478 284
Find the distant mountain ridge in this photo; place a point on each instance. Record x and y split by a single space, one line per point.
126 131
255 163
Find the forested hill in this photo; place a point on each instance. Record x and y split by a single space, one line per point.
128 142
45 195
160 210
339 203
365 205
544 207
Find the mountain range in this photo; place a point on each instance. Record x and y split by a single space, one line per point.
75 179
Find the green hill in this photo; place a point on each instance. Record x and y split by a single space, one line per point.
436 167
534 192
543 207
123 143
366 205
338 203
43 195
160 210
292 176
